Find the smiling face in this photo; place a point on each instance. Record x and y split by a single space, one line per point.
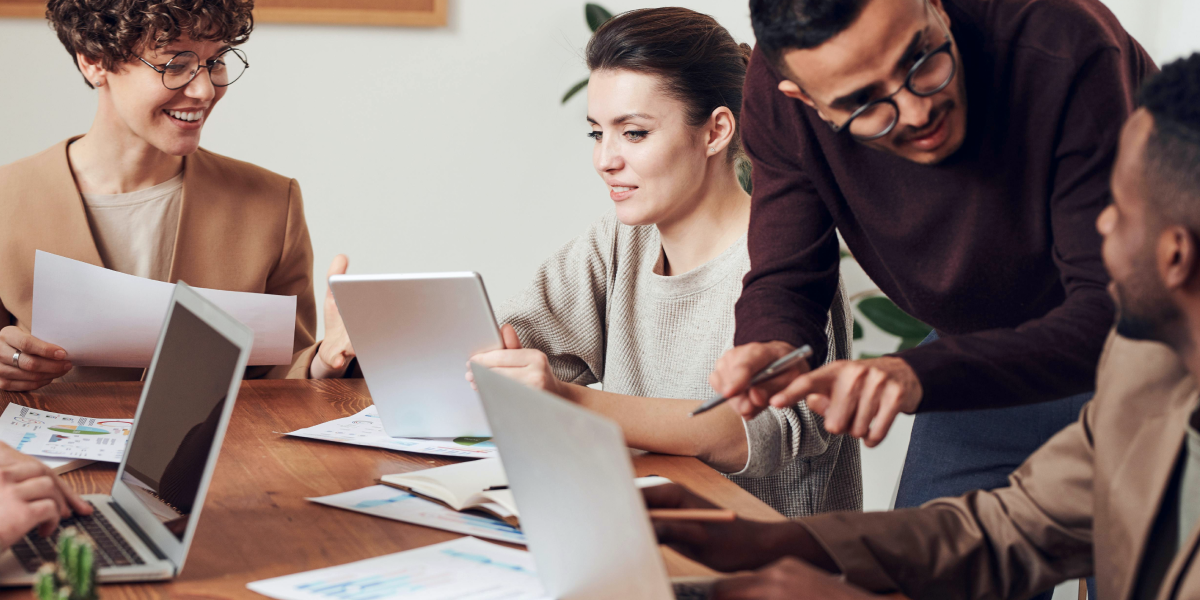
652 160
872 58
138 103
1145 308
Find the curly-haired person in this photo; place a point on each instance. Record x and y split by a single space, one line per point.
137 193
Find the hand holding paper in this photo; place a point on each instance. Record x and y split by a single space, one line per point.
104 318
38 363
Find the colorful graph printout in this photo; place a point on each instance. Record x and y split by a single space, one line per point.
365 429
81 429
462 568
391 503
49 434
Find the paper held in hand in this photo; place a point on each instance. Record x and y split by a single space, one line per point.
108 319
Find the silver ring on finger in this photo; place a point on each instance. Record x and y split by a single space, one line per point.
16 359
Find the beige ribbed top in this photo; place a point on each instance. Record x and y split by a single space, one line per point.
602 310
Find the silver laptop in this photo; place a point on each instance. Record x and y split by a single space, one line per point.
144 529
413 334
573 481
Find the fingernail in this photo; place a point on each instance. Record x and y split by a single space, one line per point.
60 354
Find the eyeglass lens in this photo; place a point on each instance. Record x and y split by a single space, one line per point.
224 70
929 78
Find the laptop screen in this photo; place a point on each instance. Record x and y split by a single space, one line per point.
174 434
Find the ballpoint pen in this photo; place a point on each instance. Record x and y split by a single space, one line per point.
784 364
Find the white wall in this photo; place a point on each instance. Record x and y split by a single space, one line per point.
435 149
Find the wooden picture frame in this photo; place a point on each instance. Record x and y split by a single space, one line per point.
406 13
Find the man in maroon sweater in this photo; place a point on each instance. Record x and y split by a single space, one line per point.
962 148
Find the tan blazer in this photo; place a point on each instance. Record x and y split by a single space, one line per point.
1083 504
241 228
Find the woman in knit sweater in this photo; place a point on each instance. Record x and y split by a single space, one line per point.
643 301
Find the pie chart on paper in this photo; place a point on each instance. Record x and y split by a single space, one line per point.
80 429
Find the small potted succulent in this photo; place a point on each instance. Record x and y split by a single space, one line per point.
73 577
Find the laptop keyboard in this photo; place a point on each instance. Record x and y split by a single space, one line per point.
111 549
692 591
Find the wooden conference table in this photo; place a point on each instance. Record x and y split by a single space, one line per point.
256 522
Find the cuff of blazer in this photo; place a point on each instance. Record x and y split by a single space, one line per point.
301 367
844 539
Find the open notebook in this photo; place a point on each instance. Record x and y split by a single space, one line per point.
478 485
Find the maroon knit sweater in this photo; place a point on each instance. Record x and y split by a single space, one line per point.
995 247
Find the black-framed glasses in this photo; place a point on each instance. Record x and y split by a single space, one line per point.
223 70
928 76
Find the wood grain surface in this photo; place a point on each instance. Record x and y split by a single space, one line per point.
256 522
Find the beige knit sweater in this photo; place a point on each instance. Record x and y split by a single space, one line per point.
602 311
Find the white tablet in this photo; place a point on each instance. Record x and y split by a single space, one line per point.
413 334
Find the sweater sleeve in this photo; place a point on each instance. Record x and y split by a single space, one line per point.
793 245
777 437
1053 356
562 313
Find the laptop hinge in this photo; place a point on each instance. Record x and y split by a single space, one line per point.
137 530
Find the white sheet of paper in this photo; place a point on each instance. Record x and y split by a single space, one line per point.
365 429
108 319
462 568
43 433
399 505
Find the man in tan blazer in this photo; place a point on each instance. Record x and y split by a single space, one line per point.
1117 494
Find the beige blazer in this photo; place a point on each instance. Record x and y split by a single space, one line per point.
241 228
1083 504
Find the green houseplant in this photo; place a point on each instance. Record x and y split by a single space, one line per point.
595 15
73 577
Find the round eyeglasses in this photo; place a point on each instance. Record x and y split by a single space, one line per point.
928 76
223 70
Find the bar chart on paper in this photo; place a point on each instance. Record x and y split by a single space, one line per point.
462 568
49 434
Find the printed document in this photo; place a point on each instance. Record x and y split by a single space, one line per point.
365 429
42 433
103 318
462 568
398 505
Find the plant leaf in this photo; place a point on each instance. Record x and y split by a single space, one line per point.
907 343
744 169
858 331
596 15
574 90
888 317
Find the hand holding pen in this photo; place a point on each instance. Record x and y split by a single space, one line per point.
735 374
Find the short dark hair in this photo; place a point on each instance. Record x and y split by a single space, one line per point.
113 32
800 24
1172 157
699 63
